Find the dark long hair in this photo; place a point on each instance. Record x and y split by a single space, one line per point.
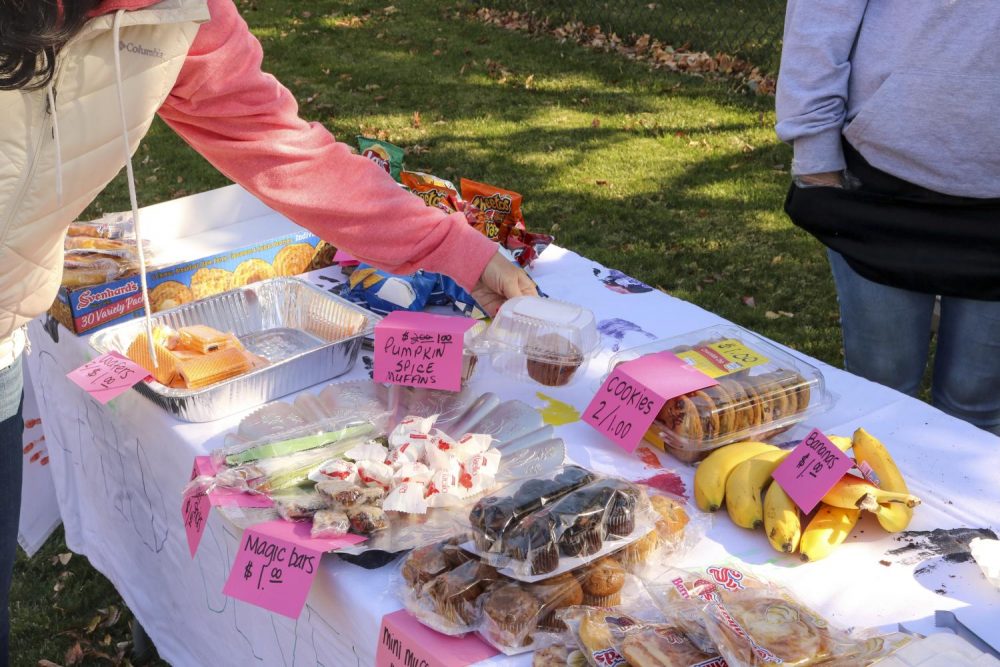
31 31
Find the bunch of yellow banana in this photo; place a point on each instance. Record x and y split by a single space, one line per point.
739 476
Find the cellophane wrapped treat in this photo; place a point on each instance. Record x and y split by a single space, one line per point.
582 524
754 623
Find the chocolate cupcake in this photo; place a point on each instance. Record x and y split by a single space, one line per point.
552 360
533 541
512 612
621 510
490 518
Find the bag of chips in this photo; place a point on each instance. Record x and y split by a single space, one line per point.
433 190
384 154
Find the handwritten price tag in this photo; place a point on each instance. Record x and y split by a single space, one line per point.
635 391
403 642
420 350
811 470
108 376
194 509
276 564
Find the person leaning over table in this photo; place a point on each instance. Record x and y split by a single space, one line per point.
74 74
891 107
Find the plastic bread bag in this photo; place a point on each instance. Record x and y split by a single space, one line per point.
492 516
346 433
610 637
298 504
110 226
585 524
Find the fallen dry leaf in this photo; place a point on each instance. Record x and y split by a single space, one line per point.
415 120
749 301
596 122
601 182
771 315
785 313
74 655
48 663
529 83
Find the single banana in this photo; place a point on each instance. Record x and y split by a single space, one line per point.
781 520
852 492
842 441
711 474
827 530
868 449
746 484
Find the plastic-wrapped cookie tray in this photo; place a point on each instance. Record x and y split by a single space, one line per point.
306 334
761 391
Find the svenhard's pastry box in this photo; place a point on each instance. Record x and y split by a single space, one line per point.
202 245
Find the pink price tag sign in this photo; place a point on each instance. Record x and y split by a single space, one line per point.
194 510
404 642
276 564
344 258
634 392
421 350
811 470
108 376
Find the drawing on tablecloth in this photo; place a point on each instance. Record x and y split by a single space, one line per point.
615 330
616 281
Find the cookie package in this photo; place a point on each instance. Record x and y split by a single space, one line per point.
760 391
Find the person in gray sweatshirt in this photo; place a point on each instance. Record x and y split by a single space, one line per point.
892 108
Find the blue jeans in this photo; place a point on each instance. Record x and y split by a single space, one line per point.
11 433
887 335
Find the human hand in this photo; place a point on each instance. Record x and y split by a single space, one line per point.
826 179
501 280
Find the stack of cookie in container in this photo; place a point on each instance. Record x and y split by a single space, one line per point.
539 546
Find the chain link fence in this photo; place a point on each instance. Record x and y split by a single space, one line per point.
749 29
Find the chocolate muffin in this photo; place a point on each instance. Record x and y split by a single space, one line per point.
556 593
425 563
490 518
533 541
552 360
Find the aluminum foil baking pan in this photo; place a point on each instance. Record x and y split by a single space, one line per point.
307 334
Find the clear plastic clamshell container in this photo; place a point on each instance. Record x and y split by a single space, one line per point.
469 357
539 339
761 391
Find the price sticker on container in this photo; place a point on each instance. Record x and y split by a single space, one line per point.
723 357
403 641
108 376
276 564
811 470
635 392
421 350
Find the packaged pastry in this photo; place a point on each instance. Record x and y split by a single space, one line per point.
387 156
299 505
195 357
203 339
760 391
330 523
493 515
608 637
543 340
424 563
583 525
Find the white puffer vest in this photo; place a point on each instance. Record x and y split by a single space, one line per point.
55 161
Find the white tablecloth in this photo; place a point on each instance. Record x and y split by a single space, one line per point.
119 471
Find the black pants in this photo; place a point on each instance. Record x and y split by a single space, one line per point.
900 234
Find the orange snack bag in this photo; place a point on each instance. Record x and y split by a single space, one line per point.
503 208
433 190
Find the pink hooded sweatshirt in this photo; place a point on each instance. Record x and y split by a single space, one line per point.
246 124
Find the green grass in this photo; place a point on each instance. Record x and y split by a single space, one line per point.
750 29
669 178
